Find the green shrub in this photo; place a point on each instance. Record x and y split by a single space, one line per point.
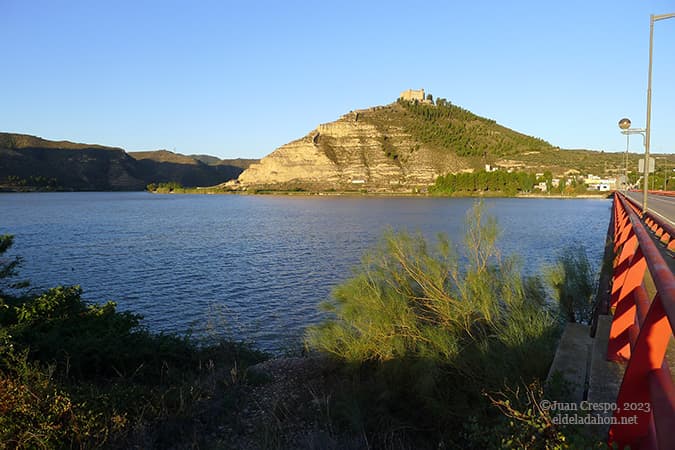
425 330
75 375
410 300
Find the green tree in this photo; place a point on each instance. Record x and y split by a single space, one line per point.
562 186
579 186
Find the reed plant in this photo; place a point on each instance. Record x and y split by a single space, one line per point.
573 282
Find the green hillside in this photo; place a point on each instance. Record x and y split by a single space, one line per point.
454 131
453 128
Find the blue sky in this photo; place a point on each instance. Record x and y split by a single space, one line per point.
240 78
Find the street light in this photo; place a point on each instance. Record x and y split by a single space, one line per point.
665 173
624 123
652 18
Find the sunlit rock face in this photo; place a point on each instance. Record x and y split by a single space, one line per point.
358 151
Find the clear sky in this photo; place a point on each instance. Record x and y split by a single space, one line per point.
241 78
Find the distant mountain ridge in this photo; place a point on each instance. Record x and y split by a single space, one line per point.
213 161
17 141
30 162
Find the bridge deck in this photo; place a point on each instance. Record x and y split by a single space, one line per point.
660 205
664 207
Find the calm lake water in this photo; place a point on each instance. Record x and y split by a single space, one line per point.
255 267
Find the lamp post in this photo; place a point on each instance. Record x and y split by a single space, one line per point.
624 123
665 173
652 18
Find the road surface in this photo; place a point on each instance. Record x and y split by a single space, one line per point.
659 205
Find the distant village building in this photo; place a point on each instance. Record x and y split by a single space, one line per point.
594 182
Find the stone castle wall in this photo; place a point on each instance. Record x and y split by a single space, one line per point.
413 94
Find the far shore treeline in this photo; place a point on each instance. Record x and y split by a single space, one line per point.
505 183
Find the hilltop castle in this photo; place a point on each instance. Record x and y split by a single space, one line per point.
414 95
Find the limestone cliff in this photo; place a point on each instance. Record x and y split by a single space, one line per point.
361 150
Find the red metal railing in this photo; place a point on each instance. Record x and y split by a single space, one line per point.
661 229
640 332
664 193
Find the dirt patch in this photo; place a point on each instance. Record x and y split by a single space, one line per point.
281 404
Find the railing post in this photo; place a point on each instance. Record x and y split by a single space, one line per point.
618 347
634 406
640 333
662 393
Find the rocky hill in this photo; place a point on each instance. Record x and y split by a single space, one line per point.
164 166
405 146
29 162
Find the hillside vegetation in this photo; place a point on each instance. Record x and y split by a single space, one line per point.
452 130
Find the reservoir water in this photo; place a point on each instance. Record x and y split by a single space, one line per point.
253 267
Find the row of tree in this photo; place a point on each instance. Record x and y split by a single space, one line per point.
499 181
503 182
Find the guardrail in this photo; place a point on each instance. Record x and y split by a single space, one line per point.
639 335
657 192
663 193
664 231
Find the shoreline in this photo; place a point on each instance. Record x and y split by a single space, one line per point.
204 191
211 191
